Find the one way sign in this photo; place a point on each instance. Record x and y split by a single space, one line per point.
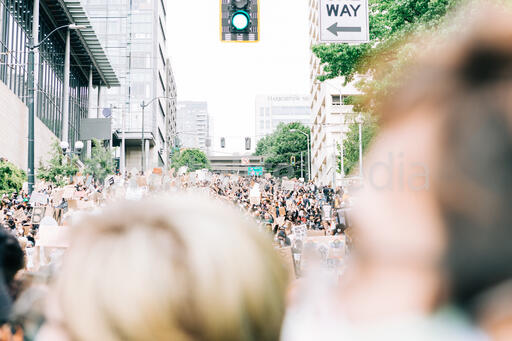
344 21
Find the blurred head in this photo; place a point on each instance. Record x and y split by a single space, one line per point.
439 176
139 272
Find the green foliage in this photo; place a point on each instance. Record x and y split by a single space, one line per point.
59 168
194 159
351 143
279 147
391 22
11 178
101 164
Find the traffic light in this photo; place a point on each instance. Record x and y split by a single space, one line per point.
247 143
223 142
293 160
239 21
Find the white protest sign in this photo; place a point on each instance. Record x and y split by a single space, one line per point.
299 231
53 236
326 212
48 221
288 185
182 170
38 198
255 195
344 21
69 193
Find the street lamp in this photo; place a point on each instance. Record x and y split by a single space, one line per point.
30 100
359 120
144 105
79 146
309 149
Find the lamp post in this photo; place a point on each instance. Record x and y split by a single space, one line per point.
31 90
309 150
144 105
79 146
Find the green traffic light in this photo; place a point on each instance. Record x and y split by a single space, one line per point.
240 20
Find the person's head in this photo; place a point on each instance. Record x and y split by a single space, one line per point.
439 176
171 268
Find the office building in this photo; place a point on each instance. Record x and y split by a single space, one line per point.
273 110
330 116
193 125
133 34
63 89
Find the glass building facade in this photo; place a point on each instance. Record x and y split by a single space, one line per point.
134 37
16 25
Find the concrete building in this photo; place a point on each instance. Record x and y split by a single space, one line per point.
235 164
193 125
273 110
330 117
133 34
67 65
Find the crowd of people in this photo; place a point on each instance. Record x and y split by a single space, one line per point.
179 258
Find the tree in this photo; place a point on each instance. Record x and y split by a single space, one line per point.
351 143
11 178
59 168
194 159
392 23
279 148
101 163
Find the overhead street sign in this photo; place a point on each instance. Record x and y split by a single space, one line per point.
255 171
344 21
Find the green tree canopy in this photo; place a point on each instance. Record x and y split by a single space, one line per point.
392 23
279 148
194 159
59 168
351 144
11 178
101 163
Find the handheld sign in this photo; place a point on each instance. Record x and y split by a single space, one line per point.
344 21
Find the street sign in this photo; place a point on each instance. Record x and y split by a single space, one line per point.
255 171
344 21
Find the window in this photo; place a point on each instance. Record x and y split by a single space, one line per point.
338 99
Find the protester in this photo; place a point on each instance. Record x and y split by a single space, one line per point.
180 268
432 232
11 261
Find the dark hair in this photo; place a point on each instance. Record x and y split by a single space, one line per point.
11 256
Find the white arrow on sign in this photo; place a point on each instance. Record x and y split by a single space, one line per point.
344 21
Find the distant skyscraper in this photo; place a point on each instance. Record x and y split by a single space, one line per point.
133 34
273 110
193 125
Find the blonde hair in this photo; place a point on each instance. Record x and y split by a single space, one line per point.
177 268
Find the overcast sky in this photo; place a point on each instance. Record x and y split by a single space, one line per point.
229 75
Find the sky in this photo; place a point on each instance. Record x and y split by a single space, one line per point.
230 75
